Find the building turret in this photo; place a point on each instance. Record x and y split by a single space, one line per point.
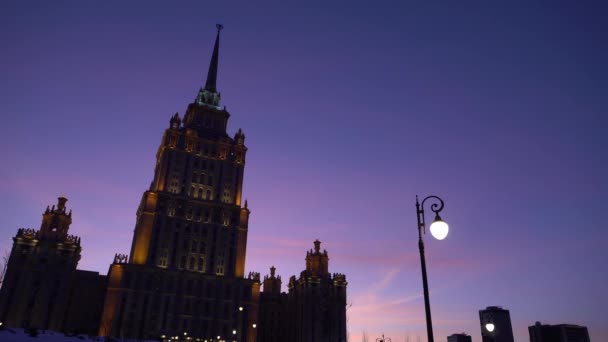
175 121
56 222
272 283
40 272
317 262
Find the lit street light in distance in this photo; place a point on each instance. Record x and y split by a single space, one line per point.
490 327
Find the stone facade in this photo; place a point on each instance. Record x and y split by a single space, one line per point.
313 309
185 274
41 287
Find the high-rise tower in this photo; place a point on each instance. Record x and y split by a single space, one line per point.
187 262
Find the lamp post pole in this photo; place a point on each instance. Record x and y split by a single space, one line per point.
436 208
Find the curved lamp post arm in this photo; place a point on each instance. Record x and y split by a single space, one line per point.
435 207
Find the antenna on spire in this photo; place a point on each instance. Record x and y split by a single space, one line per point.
219 27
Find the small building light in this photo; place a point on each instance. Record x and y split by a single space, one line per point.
254 325
233 332
240 308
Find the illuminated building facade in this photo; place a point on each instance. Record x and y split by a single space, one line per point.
313 309
185 274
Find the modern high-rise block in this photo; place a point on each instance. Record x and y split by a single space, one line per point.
495 325
558 333
459 338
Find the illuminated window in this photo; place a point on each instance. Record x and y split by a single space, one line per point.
163 258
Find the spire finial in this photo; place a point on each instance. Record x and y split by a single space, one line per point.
210 85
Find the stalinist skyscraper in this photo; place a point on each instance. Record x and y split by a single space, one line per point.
185 272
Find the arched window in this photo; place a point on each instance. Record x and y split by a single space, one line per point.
201 264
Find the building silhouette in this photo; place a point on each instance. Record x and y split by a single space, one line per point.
495 324
459 338
558 333
42 287
313 309
185 274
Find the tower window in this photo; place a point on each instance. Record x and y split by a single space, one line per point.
201 264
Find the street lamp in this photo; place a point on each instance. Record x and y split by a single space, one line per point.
382 339
439 229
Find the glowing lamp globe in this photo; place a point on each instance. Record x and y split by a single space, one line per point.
490 327
439 229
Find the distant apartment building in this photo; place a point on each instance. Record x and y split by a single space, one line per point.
459 338
495 325
558 333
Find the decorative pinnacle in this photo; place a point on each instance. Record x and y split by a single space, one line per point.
219 27
317 245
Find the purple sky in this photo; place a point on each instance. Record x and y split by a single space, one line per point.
350 110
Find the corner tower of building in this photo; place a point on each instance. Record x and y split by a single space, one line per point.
40 269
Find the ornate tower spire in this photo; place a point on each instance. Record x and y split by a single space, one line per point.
209 95
212 74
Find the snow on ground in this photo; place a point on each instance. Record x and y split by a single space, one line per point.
18 335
